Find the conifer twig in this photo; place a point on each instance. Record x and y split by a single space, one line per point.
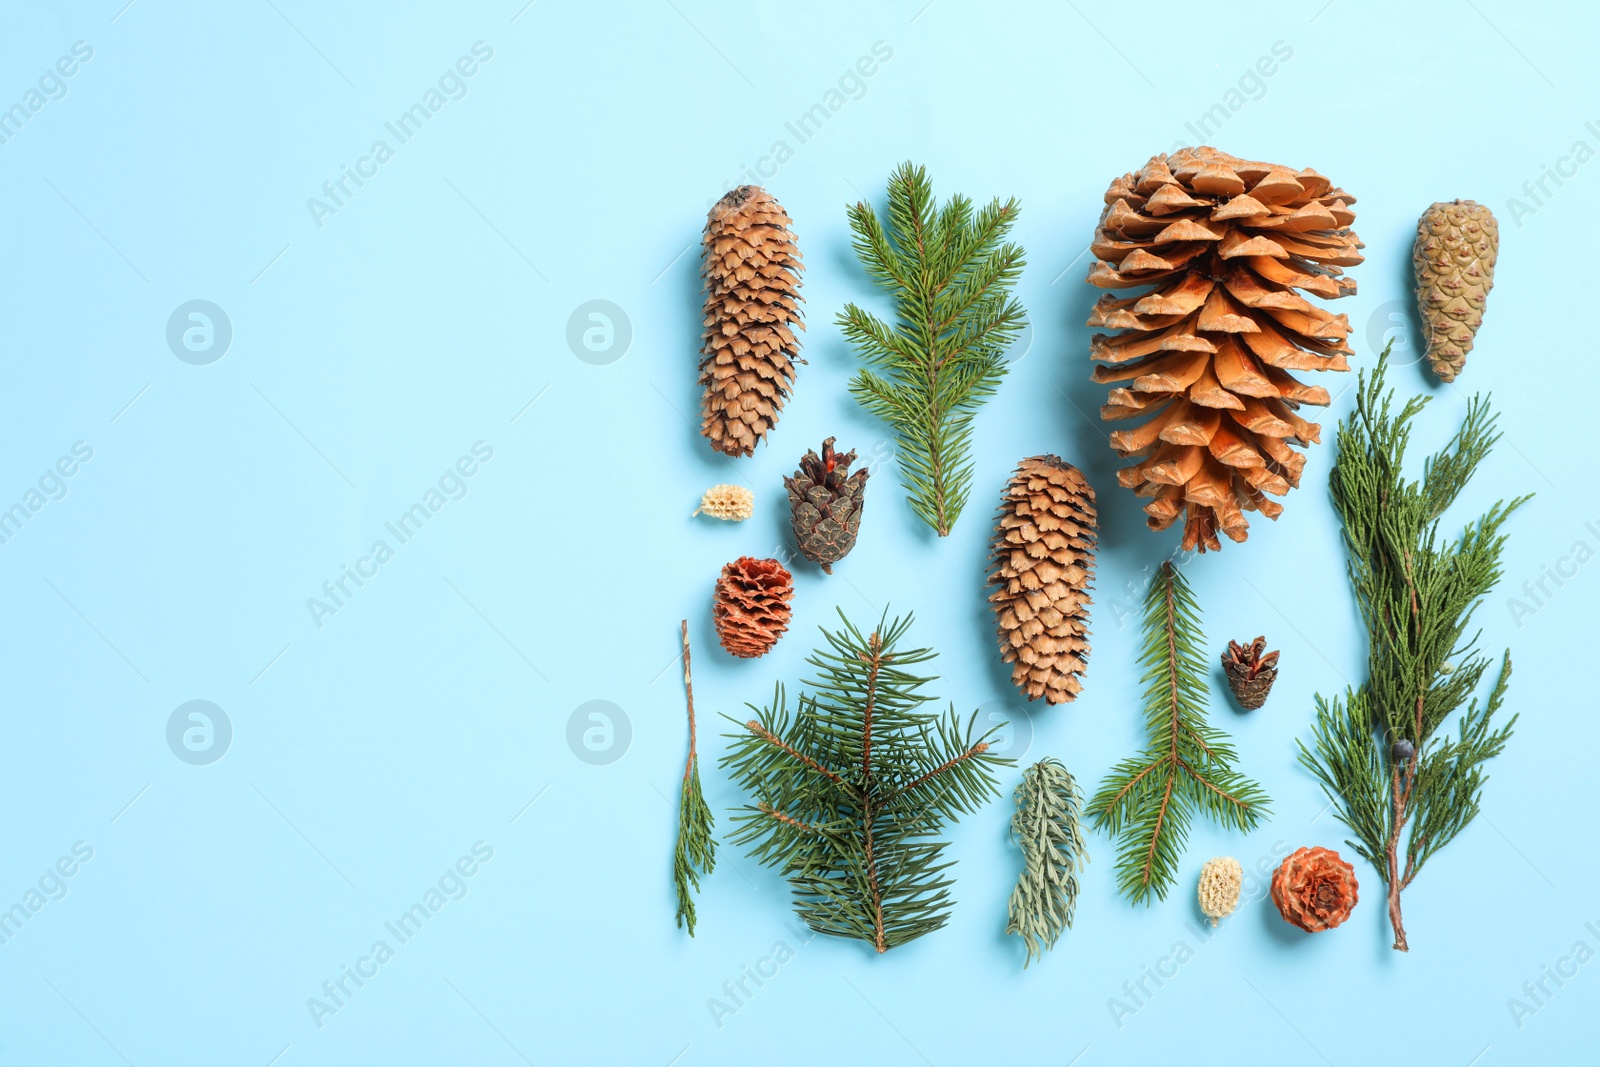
1149 801
1377 750
696 851
1047 829
951 275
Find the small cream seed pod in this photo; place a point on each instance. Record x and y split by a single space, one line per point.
732 503
1220 880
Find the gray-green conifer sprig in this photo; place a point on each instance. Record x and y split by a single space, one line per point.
852 788
1046 826
1417 590
696 850
951 273
1149 801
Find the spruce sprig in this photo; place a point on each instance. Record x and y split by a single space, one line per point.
853 787
1150 801
951 273
1047 829
1374 750
696 850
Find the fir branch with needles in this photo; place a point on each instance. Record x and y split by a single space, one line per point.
1046 827
951 272
696 851
1403 786
851 790
1150 801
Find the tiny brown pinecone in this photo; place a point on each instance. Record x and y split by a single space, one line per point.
1250 672
1457 244
751 272
825 505
1221 245
1043 556
751 608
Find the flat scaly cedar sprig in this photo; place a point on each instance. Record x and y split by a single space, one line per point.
852 789
696 851
951 276
1149 801
1375 750
1046 828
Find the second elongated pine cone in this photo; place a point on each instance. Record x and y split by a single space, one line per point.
1223 244
1457 244
1251 670
825 505
751 272
1043 557
751 606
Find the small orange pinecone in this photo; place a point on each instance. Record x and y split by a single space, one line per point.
751 608
1315 889
1043 555
1223 244
752 281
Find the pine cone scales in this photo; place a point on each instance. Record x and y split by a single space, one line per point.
825 505
751 609
752 281
1043 556
1458 242
1251 670
1315 889
1224 243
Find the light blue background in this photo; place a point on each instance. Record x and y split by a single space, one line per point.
431 309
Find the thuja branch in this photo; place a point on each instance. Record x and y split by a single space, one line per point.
1404 787
951 274
851 790
1149 802
696 851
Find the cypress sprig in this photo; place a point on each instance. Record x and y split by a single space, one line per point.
1047 829
696 850
1378 751
851 790
951 273
1150 801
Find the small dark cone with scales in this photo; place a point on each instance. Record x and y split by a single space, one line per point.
1251 670
751 608
1457 244
1043 555
825 505
752 283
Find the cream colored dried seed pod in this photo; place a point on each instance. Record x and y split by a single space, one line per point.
1220 880
733 503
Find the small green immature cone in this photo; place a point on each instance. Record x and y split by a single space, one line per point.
1457 244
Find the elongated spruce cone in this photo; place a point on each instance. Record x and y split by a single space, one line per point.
1458 242
1043 557
825 505
751 272
1251 670
751 608
1223 243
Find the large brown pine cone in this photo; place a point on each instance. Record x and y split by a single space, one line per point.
825 505
1457 244
751 271
1314 889
1224 243
751 608
1043 556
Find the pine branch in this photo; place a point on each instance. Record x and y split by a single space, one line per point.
1149 802
696 850
1046 827
1374 752
952 276
851 792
